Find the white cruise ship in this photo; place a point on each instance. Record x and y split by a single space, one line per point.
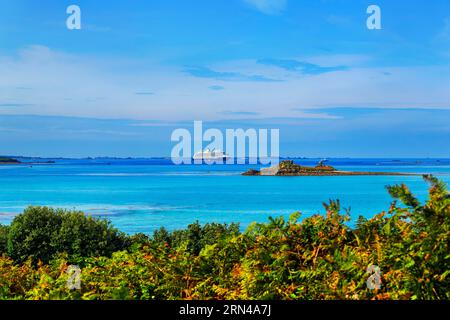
210 155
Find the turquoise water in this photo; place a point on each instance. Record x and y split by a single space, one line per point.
140 195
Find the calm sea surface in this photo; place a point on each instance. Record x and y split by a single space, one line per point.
140 195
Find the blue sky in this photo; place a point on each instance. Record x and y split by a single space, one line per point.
138 69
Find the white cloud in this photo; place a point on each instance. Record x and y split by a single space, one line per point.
268 6
350 60
64 84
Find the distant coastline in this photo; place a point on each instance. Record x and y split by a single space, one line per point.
7 160
14 161
338 162
409 160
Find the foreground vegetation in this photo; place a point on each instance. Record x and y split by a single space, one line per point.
320 257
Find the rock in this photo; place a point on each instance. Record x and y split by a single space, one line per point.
252 172
272 171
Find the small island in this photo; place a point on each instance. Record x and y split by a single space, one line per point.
289 168
6 160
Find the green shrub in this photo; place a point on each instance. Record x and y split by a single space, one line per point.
4 230
41 233
196 236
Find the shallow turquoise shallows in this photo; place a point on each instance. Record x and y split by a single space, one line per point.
141 195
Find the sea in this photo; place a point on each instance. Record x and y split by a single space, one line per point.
142 195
